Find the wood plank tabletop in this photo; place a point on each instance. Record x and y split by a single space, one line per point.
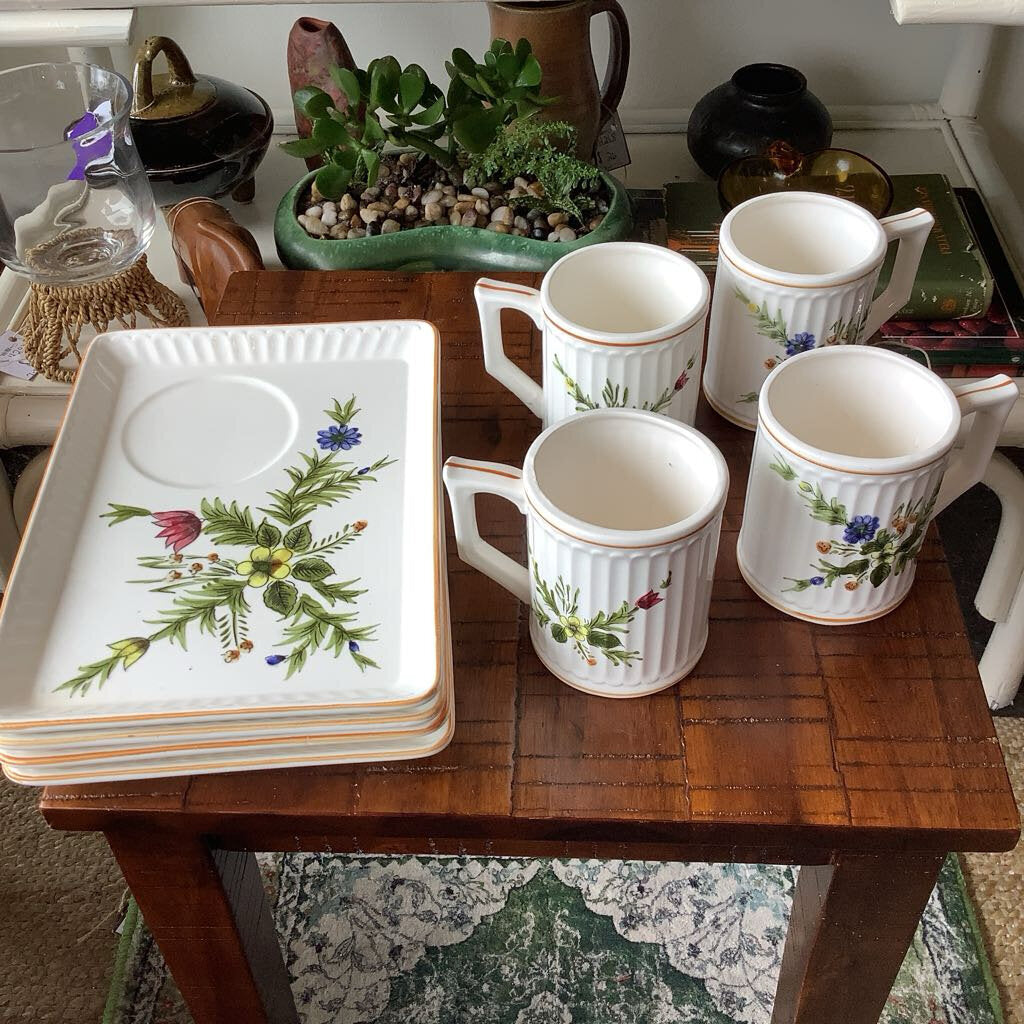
788 741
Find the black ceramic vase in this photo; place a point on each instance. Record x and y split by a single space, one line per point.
759 105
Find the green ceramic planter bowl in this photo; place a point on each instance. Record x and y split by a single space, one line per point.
438 248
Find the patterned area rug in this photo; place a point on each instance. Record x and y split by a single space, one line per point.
388 940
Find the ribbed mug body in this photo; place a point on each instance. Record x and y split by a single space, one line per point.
756 324
661 376
619 622
827 544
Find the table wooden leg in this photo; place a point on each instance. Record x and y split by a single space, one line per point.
209 915
852 923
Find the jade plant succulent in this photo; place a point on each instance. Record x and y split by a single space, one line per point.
388 104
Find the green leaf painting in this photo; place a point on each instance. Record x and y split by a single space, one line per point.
773 326
614 396
867 552
557 610
271 554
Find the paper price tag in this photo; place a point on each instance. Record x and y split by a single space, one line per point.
12 357
610 150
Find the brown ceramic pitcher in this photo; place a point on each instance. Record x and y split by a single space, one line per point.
560 36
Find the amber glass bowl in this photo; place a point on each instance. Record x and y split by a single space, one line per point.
836 172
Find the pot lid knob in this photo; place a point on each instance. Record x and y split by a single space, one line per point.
176 94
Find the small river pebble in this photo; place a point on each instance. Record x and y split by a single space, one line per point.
399 203
313 225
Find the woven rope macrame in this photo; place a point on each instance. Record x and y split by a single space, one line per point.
57 314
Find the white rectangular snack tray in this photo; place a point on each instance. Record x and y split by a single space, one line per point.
285 751
235 522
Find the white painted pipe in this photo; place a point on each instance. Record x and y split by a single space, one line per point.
30 419
963 12
1005 567
1002 664
68 28
1007 216
965 78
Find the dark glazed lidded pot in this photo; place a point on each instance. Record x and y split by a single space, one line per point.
759 105
197 135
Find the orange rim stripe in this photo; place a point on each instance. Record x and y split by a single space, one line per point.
787 284
844 469
484 469
147 771
587 338
621 547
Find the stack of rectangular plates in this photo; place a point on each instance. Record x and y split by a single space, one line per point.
236 560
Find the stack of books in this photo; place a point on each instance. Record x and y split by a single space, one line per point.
966 313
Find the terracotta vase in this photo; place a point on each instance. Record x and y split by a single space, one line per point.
560 36
314 47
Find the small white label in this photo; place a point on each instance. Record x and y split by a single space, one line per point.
610 150
12 357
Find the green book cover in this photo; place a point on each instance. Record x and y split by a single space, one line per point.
953 280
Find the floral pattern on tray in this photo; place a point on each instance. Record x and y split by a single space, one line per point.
270 553
866 552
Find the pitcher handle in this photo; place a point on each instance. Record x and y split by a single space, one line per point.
491 298
911 231
991 401
618 57
465 479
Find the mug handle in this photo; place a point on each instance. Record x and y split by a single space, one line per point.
991 401
491 298
911 230
464 479
614 83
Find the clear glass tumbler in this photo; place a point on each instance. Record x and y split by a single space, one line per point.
75 202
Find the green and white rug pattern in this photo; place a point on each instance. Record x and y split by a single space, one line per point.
416 940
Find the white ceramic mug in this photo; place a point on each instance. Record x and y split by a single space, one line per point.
797 270
623 514
622 325
854 455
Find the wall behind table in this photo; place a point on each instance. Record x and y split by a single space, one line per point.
852 53
1002 108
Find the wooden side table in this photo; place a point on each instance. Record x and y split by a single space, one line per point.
864 753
